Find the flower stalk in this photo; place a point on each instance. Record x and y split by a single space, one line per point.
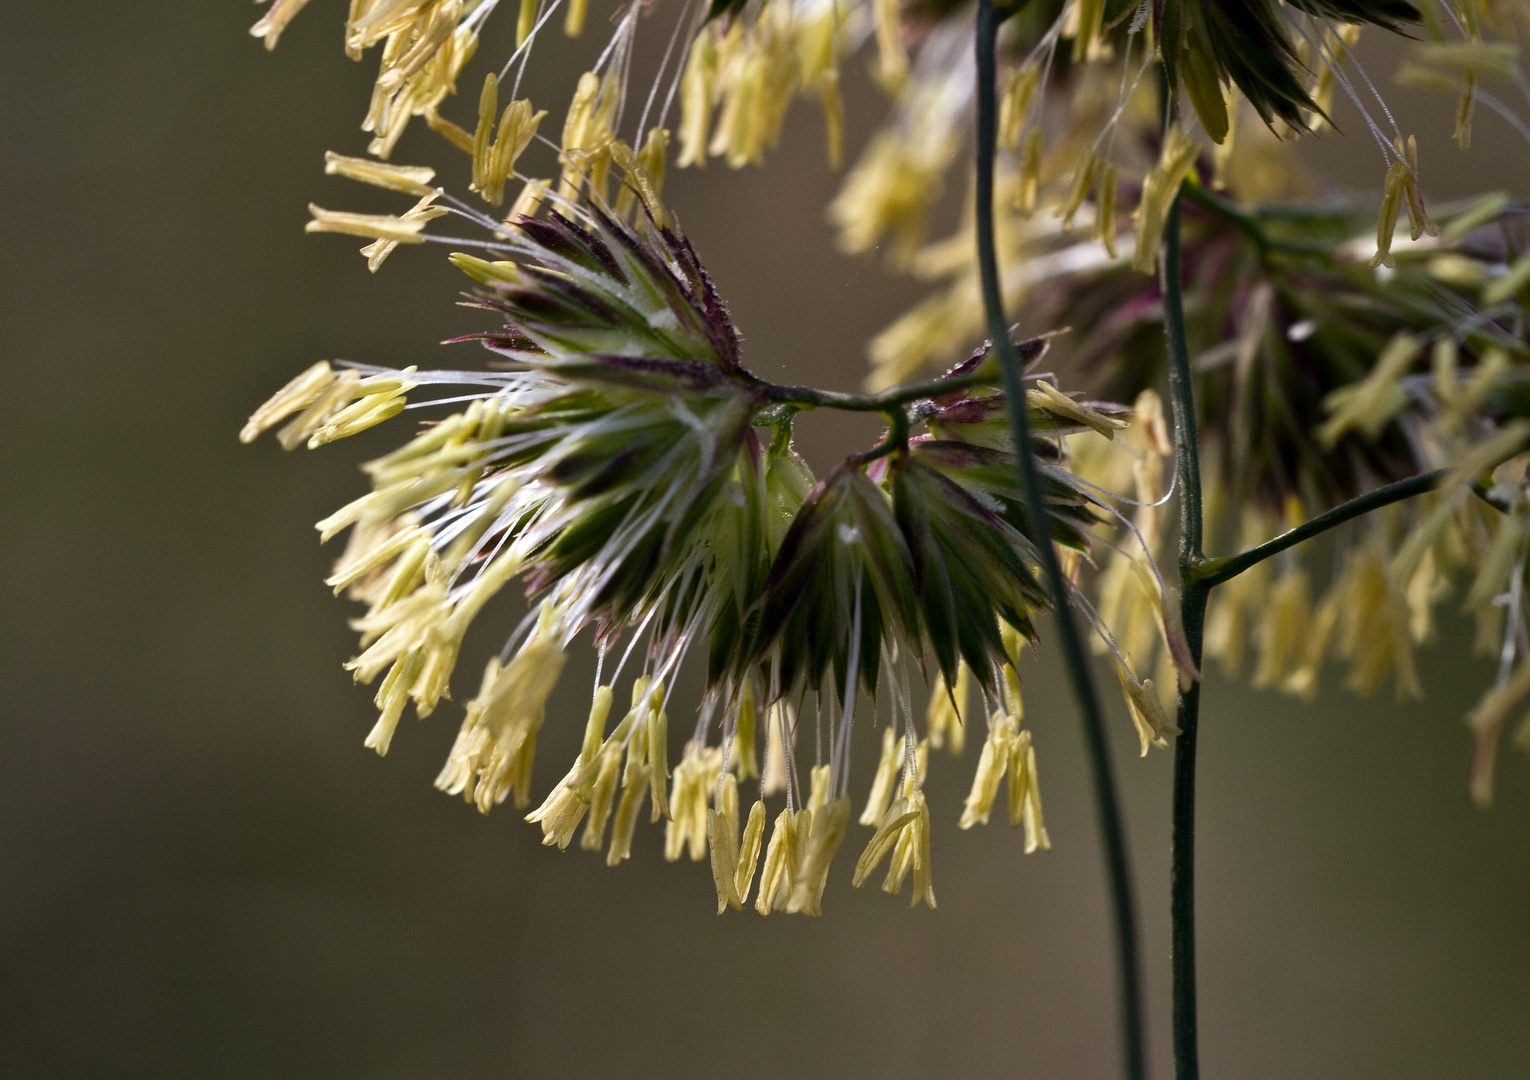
1118 871
1193 612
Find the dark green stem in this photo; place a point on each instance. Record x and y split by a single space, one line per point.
1249 225
896 440
1215 571
1118 872
888 400
1193 611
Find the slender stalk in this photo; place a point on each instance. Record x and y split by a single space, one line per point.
1118 872
1247 224
1193 611
886 401
1215 571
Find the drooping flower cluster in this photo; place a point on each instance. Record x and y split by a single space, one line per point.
623 465
1320 377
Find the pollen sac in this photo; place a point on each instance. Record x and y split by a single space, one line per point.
565 807
885 783
777 876
815 851
695 778
493 754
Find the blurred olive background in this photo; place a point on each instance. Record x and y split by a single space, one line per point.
202 872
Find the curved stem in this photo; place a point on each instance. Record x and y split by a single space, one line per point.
884 402
1249 226
1113 834
1215 571
1193 611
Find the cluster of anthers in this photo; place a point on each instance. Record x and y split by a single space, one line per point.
622 463
641 482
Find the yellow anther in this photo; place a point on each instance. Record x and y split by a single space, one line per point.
1106 183
944 719
1085 23
653 156
893 819
494 158
390 700
658 753
602 796
1369 405
818 788
396 230
1374 626
777 875
1146 710
1029 186
695 778
1020 85
912 852
483 271
992 763
888 769
380 399
409 179
722 843
275 20
336 395
1466 106
587 136
1025 795
1302 681
377 556
1418 221
1048 397
892 56
297 394
494 751
380 249
1340 40
890 189
1283 629
1159 190
1078 191
1401 191
640 182
778 719
833 117
741 757
431 32
1482 59
697 97
634 777
816 852
1512 282
749 851
1487 721
573 22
